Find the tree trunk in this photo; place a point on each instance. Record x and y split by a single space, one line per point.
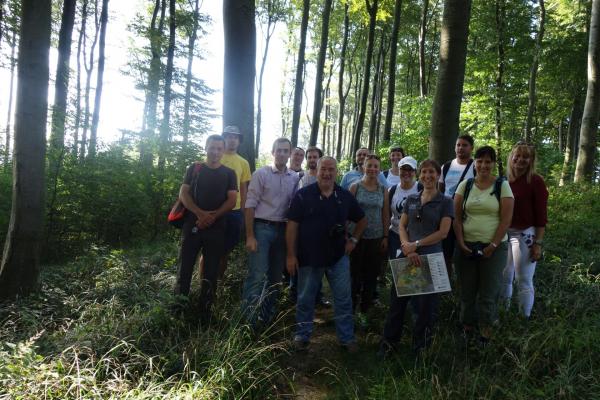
422 35
193 35
20 267
375 93
99 79
61 86
533 72
574 123
239 71
80 47
498 101
13 64
449 87
89 69
299 82
372 9
271 23
318 104
341 95
391 92
166 119
591 111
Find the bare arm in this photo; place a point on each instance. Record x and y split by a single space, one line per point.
458 223
358 231
227 205
249 222
243 194
291 233
204 218
506 212
385 217
536 249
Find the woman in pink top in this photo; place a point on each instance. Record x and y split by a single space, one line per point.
526 232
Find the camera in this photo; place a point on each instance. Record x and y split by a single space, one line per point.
476 250
336 231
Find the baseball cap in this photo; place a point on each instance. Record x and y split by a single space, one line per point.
408 160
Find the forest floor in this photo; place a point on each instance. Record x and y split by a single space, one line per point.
102 327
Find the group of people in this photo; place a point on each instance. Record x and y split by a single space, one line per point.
306 226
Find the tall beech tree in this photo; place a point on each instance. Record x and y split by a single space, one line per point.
391 91
342 94
99 79
61 85
448 93
20 267
239 71
422 36
372 6
166 119
588 135
11 85
534 69
299 82
318 99
192 37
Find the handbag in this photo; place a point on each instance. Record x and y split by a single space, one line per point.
177 213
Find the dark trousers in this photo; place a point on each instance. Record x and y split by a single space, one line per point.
426 308
448 246
212 243
365 264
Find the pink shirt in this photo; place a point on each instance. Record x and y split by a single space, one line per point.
270 192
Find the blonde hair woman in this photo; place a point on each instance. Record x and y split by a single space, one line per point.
526 231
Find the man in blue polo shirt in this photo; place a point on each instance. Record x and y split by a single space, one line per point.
317 244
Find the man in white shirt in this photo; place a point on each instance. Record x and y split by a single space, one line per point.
453 173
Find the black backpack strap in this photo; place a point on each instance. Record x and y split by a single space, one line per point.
445 169
420 187
466 170
498 187
468 188
392 192
386 173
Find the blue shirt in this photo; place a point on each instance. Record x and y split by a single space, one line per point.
354 175
322 224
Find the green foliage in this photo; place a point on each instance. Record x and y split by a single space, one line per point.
102 329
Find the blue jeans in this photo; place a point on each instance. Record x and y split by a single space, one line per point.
309 280
262 285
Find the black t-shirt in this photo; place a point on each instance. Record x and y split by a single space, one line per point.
210 185
322 224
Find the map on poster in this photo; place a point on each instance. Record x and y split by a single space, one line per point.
429 277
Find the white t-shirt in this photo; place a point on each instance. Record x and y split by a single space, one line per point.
453 176
397 202
392 179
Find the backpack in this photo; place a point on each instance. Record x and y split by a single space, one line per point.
177 213
469 185
386 173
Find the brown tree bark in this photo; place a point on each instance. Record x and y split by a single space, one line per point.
99 79
20 267
534 69
449 87
391 91
318 102
588 134
239 71
299 82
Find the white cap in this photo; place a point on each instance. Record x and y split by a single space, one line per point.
408 160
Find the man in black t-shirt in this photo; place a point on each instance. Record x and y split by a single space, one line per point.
208 192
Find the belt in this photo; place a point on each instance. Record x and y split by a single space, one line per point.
267 222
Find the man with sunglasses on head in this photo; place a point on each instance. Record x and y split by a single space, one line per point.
357 173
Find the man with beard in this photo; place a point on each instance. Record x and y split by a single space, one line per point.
357 173
313 154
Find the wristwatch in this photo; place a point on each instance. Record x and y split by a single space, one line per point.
353 239
417 244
